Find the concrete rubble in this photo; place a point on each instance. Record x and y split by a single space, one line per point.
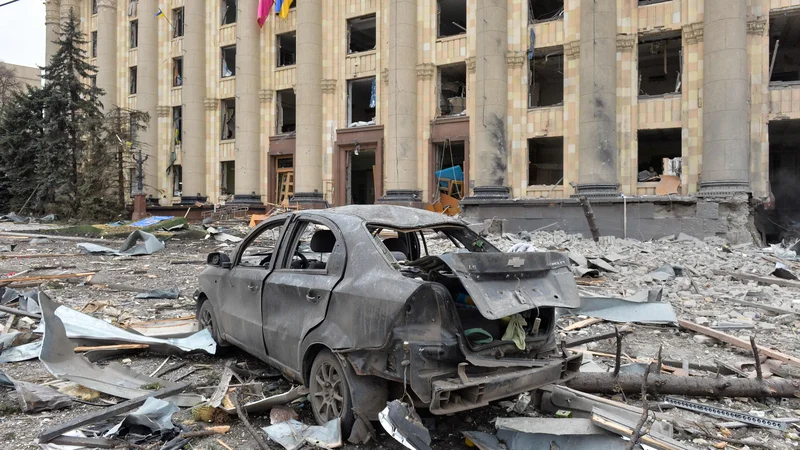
682 305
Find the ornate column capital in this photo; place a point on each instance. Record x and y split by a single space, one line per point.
693 32
572 50
329 85
107 4
52 12
163 110
756 27
625 42
515 59
471 64
265 95
385 76
425 71
211 104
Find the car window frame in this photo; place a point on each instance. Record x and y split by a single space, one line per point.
287 247
261 229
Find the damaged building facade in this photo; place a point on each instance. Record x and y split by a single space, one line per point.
669 115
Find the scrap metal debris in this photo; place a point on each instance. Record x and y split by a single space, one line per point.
625 311
131 247
172 293
293 435
402 423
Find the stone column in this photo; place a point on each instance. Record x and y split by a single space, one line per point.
65 6
147 91
491 100
248 111
193 144
107 52
308 148
51 23
726 94
597 115
401 142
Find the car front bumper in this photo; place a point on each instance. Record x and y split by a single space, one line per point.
450 396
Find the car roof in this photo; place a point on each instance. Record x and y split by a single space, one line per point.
402 217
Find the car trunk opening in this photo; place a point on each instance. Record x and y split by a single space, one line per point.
503 300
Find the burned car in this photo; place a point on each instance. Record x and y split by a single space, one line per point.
364 303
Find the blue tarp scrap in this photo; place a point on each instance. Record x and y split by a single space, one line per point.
150 221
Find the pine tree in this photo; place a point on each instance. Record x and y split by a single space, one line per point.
21 137
73 123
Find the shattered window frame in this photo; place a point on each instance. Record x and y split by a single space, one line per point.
177 124
285 58
279 112
177 22
133 75
94 44
277 228
544 56
94 7
177 71
302 233
228 119
462 29
228 12
553 14
650 44
461 237
445 103
358 20
532 165
177 180
230 50
134 33
350 84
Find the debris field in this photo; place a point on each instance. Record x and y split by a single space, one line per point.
676 315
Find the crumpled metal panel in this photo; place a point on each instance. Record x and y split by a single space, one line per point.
58 355
131 247
502 284
83 326
625 311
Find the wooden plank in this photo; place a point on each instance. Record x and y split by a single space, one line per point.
741 343
582 324
47 277
42 255
120 408
769 308
761 279
112 347
597 337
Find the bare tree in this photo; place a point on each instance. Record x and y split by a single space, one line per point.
9 83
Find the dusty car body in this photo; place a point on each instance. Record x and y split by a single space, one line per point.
367 295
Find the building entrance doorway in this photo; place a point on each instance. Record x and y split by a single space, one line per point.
361 172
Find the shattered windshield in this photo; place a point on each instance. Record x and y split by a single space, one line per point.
409 245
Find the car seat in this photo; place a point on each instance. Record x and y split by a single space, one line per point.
322 241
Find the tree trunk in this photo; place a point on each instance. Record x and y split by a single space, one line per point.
661 384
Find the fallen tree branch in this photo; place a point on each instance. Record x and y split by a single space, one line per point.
243 417
637 429
46 277
19 312
661 384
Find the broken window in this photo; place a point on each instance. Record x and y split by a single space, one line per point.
361 102
544 10
132 80
546 78
784 48
94 6
177 71
228 61
313 244
453 90
452 17
177 22
784 169
284 174
228 11
227 177
659 153
448 170
285 116
545 161
134 33
177 124
361 34
660 65
287 48
94 44
228 119
177 180
260 249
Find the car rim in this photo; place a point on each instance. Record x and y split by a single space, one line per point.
206 321
328 399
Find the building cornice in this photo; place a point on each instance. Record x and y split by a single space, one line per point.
572 50
625 42
329 85
757 27
515 59
265 95
211 104
385 76
693 32
425 71
163 110
471 64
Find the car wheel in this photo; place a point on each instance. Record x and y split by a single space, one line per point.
330 393
207 319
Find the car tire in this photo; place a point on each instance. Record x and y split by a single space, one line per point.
330 392
207 319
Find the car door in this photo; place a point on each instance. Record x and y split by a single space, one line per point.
296 299
241 308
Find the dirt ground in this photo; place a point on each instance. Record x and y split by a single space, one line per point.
703 298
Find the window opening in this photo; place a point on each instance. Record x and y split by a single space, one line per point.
227 178
94 44
313 246
448 170
286 113
544 10
545 161
228 61
134 33
452 17
659 154
361 34
546 79
177 180
228 11
361 102
132 80
177 22
177 124
452 83
177 71
287 49
660 65
228 119
784 48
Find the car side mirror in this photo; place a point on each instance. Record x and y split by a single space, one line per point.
219 259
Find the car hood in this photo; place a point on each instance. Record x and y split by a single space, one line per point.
502 284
